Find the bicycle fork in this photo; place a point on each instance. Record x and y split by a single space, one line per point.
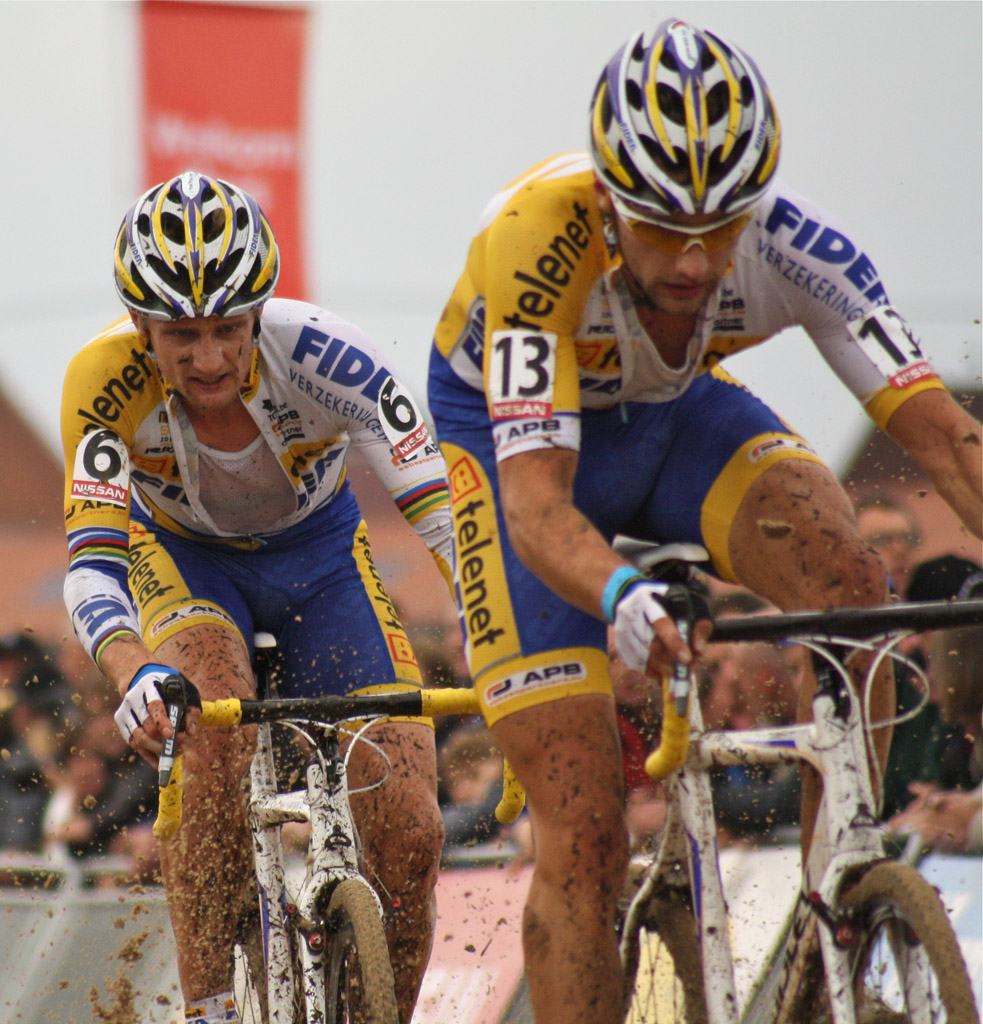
334 858
267 812
845 838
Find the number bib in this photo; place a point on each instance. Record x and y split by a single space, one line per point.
102 469
521 374
886 340
401 420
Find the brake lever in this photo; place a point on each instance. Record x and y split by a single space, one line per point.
173 693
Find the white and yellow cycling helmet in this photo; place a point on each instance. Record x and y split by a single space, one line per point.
195 246
682 122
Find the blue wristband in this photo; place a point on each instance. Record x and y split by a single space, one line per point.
618 582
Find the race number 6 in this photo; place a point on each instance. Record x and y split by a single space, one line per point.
401 420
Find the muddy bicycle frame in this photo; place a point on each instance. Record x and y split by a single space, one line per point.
293 927
847 834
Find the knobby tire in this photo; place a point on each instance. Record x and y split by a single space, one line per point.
894 898
358 976
663 969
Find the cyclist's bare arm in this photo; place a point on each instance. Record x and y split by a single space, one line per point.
945 441
557 543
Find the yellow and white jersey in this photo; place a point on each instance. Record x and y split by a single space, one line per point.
316 386
541 319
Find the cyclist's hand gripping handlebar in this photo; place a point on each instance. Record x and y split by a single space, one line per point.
686 608
179 694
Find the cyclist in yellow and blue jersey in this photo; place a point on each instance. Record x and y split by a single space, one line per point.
577 392
206 437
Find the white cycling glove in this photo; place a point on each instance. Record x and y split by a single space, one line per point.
145 686
637 609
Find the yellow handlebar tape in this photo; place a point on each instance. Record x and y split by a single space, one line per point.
220 712
169 804
449 701
513 797
674 742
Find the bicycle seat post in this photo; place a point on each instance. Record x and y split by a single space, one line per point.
264 660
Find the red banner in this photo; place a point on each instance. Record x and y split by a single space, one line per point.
222 95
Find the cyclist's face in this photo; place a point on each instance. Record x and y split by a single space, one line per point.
675 273
205 359
893 537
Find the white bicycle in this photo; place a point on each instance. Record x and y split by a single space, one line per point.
317 955
868 939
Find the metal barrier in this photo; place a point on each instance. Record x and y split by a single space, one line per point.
76 950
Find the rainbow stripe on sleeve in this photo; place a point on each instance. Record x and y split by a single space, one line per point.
104 640
95 544
418 502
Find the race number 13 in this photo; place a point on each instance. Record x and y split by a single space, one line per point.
886 340
521 373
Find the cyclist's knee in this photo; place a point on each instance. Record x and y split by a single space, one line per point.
406 846
794 541
862 577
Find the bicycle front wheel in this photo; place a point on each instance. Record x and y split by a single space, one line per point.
663 969
358 977
906 962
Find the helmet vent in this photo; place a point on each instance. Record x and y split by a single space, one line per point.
213 225
179 282
633 93
215 275
242 218
172 227
658 154
670 104
718 169
143 224
717 102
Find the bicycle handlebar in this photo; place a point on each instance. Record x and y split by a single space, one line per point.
332 709
851 623
842 623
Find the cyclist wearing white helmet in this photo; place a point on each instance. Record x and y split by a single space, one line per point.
577 393
206 498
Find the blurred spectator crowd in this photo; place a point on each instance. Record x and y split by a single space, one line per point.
70 789
932 785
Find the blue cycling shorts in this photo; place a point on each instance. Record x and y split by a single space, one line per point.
666 472
313 586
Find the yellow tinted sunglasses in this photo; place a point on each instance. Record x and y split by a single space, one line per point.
675 242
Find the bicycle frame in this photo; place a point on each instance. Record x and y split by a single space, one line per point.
846 836
332 857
